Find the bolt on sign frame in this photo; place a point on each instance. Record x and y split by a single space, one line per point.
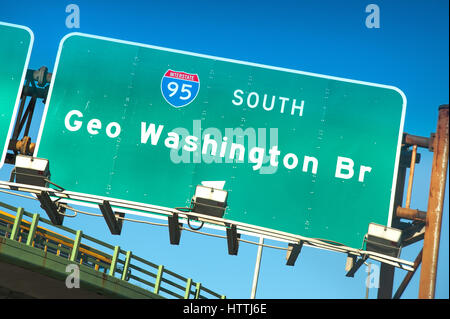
111 129
16 42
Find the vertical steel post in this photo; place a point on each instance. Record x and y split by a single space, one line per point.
115 257
187 291
427 283
32 230
76 246
386 282
16 227
158 279
126 265
198 288
257 266
367 280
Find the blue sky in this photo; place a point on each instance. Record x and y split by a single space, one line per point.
410 51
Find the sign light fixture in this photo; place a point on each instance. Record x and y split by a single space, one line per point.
384 240
31 171
209 201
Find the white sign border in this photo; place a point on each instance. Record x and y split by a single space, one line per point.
400 132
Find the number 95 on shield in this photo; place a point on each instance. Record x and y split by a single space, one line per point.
179 88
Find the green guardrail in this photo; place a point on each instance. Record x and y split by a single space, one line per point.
77 248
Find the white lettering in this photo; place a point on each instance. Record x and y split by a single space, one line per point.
249 97
241 150
240 99
344 163
253 98
172 140
294 161
93 126
77 124
284 100
362 171
271 106
274 152
116 127
191 142
310 159
297 107
256 159
150 131
209 141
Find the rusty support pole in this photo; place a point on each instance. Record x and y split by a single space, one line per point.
420 141
427 282
412 214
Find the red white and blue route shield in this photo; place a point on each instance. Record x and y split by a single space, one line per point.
179 88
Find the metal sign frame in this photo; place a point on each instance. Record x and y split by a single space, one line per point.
141 209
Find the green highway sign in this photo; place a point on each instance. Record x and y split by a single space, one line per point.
16 42
302 153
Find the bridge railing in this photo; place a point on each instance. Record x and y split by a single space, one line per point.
79 248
